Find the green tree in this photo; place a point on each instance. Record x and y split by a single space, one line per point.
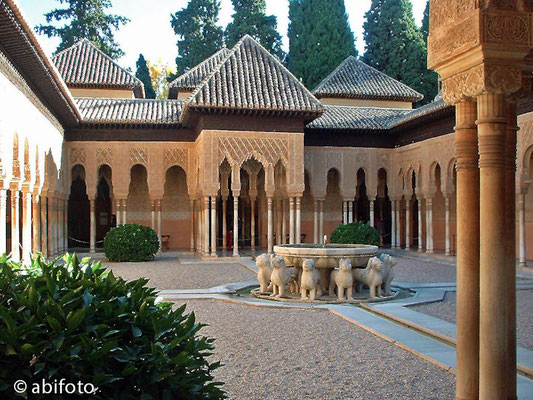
319 38
250 18
425 24
395 46
199 35
143 73
86 19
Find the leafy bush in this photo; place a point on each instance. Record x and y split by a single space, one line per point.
131 242
356 233
78 322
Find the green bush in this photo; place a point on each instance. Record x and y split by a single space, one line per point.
356 233
76 321
131 242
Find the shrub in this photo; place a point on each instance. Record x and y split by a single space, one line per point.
78 322
131 242
356 233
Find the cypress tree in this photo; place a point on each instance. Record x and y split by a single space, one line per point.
395 46
319 38
250 18
143 73
199 35
425 24
87 20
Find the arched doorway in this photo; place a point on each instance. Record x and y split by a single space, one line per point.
103 209
138 202
79 221
383 209
176 210
363 205
333 202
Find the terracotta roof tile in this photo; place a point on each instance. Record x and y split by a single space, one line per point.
356 80
82 64
427 110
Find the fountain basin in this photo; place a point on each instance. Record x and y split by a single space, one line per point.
326 257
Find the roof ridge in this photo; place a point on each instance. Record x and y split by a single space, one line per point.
198 66
332 73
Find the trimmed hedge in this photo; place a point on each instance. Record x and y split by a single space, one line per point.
131 242
356 233
80 323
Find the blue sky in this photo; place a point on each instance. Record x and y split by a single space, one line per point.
149 31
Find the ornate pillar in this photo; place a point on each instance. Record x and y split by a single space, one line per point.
372 201
191 208
119 214
278 221
270 223
407 223
3 221
159 230
26 226
124 211
199 231
236 223
213 226
44 226
315 223
15 235
344 212
298 220
393 224
429 226
291 220
350 211
420 230
65 223
447 250
50 225
283 221
153 215
205 227
321 225
225 221
92 240
522 228
252 223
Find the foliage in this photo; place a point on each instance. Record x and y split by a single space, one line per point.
199 36
425 24
143 73
356 233
86 20
159 74
319 39
76 321
131 242
250 18
395 46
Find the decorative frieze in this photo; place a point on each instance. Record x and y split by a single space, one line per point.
104 155
138 156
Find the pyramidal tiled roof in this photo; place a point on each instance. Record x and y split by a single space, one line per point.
251 79
193 77
356 80
83 65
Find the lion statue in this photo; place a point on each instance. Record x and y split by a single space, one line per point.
343 278
264 272
310 281
387 272
370 276
280 278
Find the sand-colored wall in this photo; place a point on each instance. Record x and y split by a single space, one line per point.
109 93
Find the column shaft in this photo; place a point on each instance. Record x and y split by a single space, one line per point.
65 224
344 212
393 225
407 223
315 223
205 227
124 211
191 211
252 223
522 228
350 211
321 225
420 225
15 235
291 220
270 223
298 220
44 226
278 221
26 226
213 226
3 221
283 221
429 227
159 226
153 215
118 213
235 224
225 222
447 230
371 212
92 239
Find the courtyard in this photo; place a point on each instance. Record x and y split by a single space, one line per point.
300 351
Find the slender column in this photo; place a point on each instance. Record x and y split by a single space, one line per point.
298 220
3 221
50 226
213 226
447 230
44 226
15 251
321 225
283 221
315 223
350 211
252 223
92 239
26 226
270 223
124 210
407 227
235 224
191 208
153 215
59 224
199 226
118 213
159 230
467 251
493 331
65 224
393 225
225 222
278 221
429 227
398 225
291 220
205 227
522 229
344 212
372 201
420 233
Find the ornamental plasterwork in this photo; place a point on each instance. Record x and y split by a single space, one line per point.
239 149
104 156
445 12
334 160
176 157
138 156
77 156
506 28
308 160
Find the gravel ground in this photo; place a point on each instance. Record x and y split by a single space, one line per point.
420 271
329 358
168 273
524 300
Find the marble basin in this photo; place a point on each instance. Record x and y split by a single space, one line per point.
326 257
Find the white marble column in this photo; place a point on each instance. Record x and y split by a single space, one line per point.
124 211
420 225
407 223
65 224
252 223
398 225
3 221
26 227
283 221
153 215
291 220
225 222
236 224
298 220
205 227
447 250
59 236
44 226
278 221
344 212
50 225
15 235
213 226
270 223
199 214
118 213
429 227
191 213
92 239
522 229
350 211
315 223
159 229
321 225
393 224
371 201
